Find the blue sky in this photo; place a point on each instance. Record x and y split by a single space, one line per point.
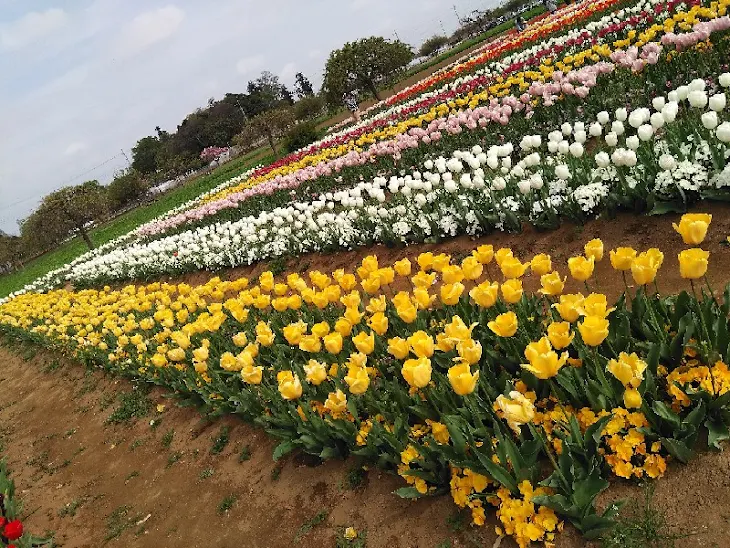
84 79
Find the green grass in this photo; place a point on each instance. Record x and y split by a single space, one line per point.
123 224
132 405
226 504
167 438
311 524
221 440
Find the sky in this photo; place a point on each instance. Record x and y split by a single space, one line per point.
83 80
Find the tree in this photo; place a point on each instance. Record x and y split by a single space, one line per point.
287 96
302 86
264 93
144 154
432 45
11 252
271 125
64 212
127 187
308 107
363 65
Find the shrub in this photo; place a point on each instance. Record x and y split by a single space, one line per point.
308 108
126 189
432 45
300 136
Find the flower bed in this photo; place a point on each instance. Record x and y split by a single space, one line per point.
456 382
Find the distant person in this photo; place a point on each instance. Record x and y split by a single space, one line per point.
520 24
350 100
550 5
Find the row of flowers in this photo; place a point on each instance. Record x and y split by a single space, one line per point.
456 382
663 157
447 118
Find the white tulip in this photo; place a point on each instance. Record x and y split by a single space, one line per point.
524 186
595 129
723 132
603 159
611 139
552 147
499 184
718 102
667 162
682 92
709 120
724 79
563 147
697 84
658 103
580 136
673 96
450 186
657 120
576 149
536 141
566 129
670 111
536 181
633 142
697 99
562 172
603 117
621 114
645 132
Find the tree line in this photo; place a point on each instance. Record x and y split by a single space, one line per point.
267 113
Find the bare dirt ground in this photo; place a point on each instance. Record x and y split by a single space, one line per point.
97 484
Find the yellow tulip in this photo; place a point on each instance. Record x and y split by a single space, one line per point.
512 291
560 335
457 330
252 349
452 274
280 304
351 300
643 269
262 301
517 410
594 249
353 315
485 294
470 351
632 398
318 279
552 284
347 282
289 386
336 402
462 380
425 261
264 334
293 332
595 304
398 348
159 360
364 342
693 263
201 354
471 268
444 343
371 285
343 326
504 325
484 254
320 329
541 264
502 254
369 265
594 330
622 258
656 257
629 369
511 267
357 379
280 289
385 275
421 344
450 293
544 361
176 355
316 372
581 268
407 312
266 281
253 374
310 343
423 280
693 227
403 267
441 261
294 302
377 304
417 373
378 323
333 342
423 298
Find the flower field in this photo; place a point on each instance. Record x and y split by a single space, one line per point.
507 378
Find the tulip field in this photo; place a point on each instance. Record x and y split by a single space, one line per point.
480 377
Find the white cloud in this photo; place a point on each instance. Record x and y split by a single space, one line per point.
75 148
149 28
31 27
250 64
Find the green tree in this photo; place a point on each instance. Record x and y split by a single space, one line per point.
144 154
64 212
432 45
364 65
127 187
11 252
302 86
308 107
271 125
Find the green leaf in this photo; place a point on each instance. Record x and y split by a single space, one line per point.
586 491
677 449
283 449
408 493
661 409
453 423
717 432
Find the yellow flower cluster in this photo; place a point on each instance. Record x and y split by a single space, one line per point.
522 520
693 378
